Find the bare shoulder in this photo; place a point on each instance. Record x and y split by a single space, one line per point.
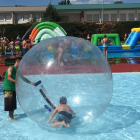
58 107
10 69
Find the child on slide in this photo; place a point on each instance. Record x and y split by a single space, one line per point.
65 114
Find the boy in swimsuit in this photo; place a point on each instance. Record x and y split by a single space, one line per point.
65 114
68 44
17 46
60 54
105 45
24 46
5 43
12 47
28 44
80 48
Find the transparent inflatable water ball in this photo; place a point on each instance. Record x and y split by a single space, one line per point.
69 67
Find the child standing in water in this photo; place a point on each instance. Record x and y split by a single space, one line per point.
105 45
65 114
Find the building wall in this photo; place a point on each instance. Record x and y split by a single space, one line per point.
18 18
72 17
138 14
121 15
19 15
6 18
26 17
89 16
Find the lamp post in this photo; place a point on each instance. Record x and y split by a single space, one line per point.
103 12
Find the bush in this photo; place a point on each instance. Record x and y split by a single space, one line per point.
12 30
75 28
124 27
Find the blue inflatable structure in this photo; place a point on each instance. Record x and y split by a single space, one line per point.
131 44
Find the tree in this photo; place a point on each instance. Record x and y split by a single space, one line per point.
51 14
118 2
33 20
64 2
68 2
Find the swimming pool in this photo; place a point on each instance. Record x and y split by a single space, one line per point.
124 54
121 120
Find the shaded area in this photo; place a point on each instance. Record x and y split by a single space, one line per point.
20 116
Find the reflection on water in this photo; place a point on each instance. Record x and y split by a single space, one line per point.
124 54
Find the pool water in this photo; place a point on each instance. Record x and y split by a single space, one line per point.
120 121
124 54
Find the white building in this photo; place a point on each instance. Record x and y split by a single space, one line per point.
84 13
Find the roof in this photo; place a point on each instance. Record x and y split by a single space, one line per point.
96 7
22 9
73 7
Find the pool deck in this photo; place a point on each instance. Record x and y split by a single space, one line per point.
116 64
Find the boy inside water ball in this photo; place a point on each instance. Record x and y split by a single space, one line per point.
65 114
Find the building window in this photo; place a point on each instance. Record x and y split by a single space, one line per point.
1 17
37 16
95 17
106 17
19 17
89 17
64 18
25 17
113 17
138 16
123 17
8 17
131 16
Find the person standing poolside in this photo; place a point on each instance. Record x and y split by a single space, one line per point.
5 43
65 114
24 46
18 47
125 36
12 47
18 37
10 103
28 45
105 45
88 37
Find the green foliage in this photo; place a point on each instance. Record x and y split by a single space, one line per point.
51 14
64 2
125 27
33 20
78 28
12 30
75 28
118 2
68 2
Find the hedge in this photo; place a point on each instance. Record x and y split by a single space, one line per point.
75 28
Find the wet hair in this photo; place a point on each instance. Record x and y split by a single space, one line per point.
63 100
24 38
105 36
18 59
